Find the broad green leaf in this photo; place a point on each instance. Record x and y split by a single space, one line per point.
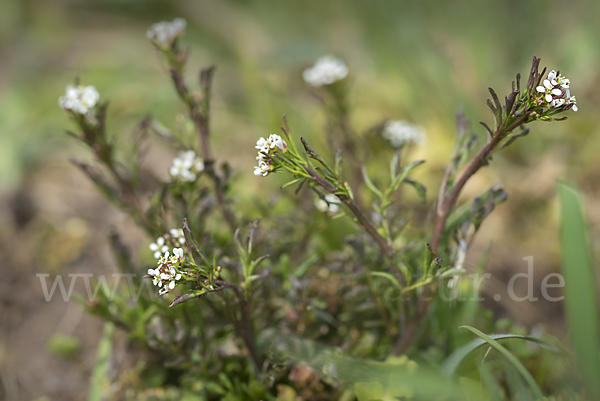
580 292
512 359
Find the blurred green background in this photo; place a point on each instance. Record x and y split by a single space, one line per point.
412 60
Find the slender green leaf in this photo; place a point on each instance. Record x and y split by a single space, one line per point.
401 176
389 277
453 361
99 382
512 359
370 184
580 291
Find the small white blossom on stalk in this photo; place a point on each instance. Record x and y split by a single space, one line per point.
266 148
80 99
327 70
186 166
159 247
555 92
401 132
166 275
164 33
328 205
177 234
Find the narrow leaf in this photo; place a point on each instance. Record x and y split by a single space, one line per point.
453 361
580 292
389 277
539 396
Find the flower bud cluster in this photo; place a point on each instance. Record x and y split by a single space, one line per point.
186 166
328 205
555 92
80 99
402 132
166 275
175 237
266 148
327 70
164 33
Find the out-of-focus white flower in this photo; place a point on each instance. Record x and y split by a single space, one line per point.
80 99
555 92
267 147
186 166
401 132
177 233
331 198
159 247
321 205
328 205
327 70
164 33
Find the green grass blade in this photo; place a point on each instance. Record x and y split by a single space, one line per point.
580 290
512 359
97 383
453 361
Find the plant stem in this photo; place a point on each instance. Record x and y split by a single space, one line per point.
244 328
443 212
360 216
199 114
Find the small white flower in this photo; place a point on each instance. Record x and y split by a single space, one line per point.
178 252
186 166
328 205
163 34
265 148
177 233
321 205
80 99
158 247
327 70
262 169
402 132
331 198
555 90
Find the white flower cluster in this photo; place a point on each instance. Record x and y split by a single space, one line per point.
167 274
265 148
328 205
555 91
327 70
187 166
80 99
161 246
401 132
164 33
